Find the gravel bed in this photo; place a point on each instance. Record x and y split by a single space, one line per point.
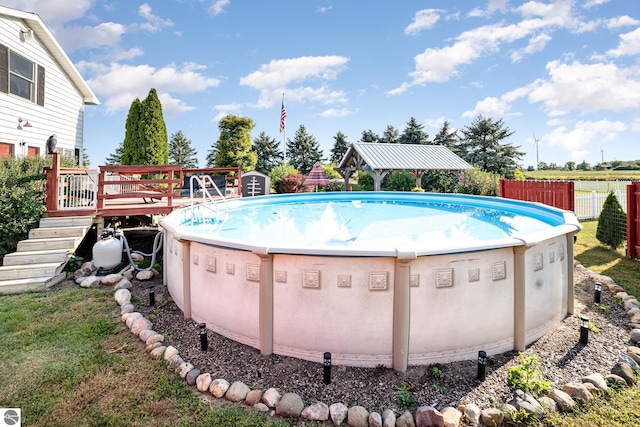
562 359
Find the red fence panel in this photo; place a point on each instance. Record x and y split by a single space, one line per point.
633 220
558 194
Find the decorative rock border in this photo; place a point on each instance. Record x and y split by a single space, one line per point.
291 405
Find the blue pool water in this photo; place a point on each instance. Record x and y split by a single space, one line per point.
370 222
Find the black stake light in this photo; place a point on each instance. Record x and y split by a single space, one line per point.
152 295
482 365
597 292
326 368
584 330
204 341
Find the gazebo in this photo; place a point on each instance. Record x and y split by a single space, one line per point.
378 159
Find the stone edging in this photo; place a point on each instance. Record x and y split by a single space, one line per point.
290 405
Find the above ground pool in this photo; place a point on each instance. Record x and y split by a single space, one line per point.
375 278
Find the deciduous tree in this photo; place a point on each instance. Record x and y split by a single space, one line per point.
234 143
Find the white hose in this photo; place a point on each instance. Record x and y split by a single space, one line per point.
157 246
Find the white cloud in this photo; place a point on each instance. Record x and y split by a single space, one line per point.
154 23
629 44
332 112
423 20
622 21
584 133
536 44
274 77
53 13
217 7
587 87
593 3
118 85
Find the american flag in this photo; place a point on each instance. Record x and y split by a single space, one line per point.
283 115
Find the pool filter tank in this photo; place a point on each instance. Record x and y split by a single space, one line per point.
107 252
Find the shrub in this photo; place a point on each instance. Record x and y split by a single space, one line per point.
612 223
527 376
365 181
293 183
478 182
279 172
402 181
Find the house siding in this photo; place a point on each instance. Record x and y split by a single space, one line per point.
63 110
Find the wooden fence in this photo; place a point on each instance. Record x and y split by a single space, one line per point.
633 220
559 194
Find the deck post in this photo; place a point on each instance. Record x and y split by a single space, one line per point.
53 183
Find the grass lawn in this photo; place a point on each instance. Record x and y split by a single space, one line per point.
68 361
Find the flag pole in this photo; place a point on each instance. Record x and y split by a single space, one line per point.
283 128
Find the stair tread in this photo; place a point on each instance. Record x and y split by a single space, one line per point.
30 266
44 252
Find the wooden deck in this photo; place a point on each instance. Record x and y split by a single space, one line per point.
126 191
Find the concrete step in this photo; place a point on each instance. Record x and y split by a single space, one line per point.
51 232
69 221
29 285
48 244
15 272
38 257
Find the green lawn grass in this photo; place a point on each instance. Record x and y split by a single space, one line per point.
607 175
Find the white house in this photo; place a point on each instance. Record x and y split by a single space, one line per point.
41 91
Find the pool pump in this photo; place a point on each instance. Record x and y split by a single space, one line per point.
107 252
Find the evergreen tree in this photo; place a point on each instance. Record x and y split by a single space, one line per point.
132 134
115 158
446 136
145 141
612 223
414 133
369 136
390 135
268 153
211 156
181 152
482 145
339 149
234 143
303 151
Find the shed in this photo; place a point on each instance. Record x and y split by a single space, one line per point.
378 159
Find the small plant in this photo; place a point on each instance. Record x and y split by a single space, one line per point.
437 372
527 376
405 398
593 328
604 308
74 263
521 417
440 388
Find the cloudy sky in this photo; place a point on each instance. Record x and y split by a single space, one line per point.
564 73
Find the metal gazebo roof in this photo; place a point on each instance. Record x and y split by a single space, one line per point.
379 159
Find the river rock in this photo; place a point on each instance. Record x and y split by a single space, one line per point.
140 325
203 382
563 400
290 405
316 412
471 412
111 279
597 379
90 282
127 307
634 353
338 413
124 283
490 417
173 362
157 353
149 348
184 368
548 403
427 416
623 370
219 387
629 361
615 380
191 377
451 416
129 318
144 335
271 397
144 275
375 420
635 335
171 351
388 418
405 420
154 338
527 403
357 416
253 397
237 392
122 295
578 391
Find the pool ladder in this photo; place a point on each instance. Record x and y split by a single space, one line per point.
208 203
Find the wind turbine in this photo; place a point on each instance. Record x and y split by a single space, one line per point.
536 141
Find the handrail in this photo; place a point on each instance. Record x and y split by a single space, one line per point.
206 196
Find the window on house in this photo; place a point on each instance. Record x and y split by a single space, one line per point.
21 75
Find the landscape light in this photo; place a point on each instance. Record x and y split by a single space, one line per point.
152 295
584 330
482 365
204 341
597 293
326 367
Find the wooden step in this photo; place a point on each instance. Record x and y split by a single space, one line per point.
14 272
69 221
38 257
48 244
51 232
29 285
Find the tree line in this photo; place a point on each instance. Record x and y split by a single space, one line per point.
483 143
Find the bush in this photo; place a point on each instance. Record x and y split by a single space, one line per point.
478 182
527 376
365 181
612 223
402 181
279 172
293 183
